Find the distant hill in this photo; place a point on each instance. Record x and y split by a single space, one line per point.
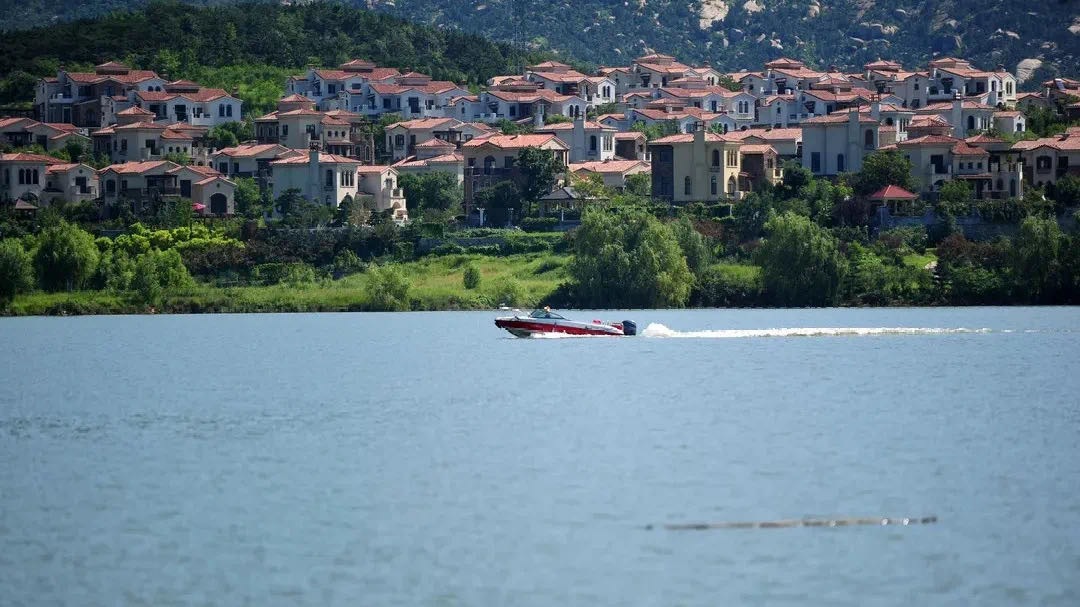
253 46
1037 39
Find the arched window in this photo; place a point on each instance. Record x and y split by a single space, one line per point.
1000 184
716 158
592 143
712 185
35 176
868 139
840 163
971 122
688 187
22 177
329 178
399 140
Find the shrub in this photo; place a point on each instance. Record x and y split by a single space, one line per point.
346 263
509 292
387 289
471 277
292 274
728 287
910 238
157 272
448 249
66 257
16 270
487 249
539 224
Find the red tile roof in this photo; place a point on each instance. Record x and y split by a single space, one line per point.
515 141
689 137
323 159
893 192
931 140
24 157
609 166
963 149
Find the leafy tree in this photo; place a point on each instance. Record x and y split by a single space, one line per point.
639 184
221 137
387 289
603 108
556 119
883 168
628 259
540 170
179 158
954 199
1066 192
508 292
435 191
16 270
509 127
800 262
299 212
1036 258
499 201
471 277
249 200
693 245
657 129
66 257
76 151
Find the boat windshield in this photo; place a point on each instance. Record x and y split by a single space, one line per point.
544 314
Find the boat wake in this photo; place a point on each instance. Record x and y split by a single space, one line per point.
659 330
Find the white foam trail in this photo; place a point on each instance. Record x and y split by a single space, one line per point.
659 330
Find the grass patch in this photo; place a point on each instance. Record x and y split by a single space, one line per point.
920 261
435 283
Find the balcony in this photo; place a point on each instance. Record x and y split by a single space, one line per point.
475 171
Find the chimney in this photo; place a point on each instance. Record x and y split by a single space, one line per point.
958 115
577 147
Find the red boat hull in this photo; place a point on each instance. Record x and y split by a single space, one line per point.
523 328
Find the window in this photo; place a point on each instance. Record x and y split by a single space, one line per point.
35 176
284 130
22 177
840 163
110 186
688 186
123 145
1000 184
223 167
731 185
716 158
386 103
732 158
1008 88
399 141
329 178
508 162
513 111
228 110
592 143
971 122
221 110
712 185
815 162
868 139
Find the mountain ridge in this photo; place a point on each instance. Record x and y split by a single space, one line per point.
1035 40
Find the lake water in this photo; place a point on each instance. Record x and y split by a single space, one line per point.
430 459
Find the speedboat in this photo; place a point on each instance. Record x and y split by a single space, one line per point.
546 321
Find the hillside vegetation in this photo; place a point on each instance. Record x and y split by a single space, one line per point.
1038 39
252 46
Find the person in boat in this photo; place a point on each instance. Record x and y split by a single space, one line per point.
545 313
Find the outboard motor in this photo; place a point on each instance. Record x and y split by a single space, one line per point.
629 327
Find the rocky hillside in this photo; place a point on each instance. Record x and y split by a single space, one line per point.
735 34
1037 39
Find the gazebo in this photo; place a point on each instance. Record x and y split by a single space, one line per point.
898 200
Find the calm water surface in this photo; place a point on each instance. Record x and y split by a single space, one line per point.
428 459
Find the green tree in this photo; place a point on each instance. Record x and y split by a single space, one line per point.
500 201
221 137
628 259
693 245
66 257
639 184
471 277
540 170
800 262
249 200
1036 258
436 191
16 270
954 199
1066 192
883 168
387 289
657 129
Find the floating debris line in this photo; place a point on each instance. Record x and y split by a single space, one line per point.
806 522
